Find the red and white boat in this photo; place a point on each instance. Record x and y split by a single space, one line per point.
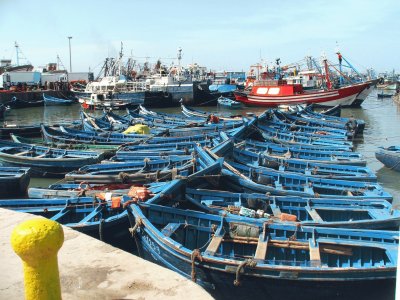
279 92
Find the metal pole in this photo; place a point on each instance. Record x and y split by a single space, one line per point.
70 64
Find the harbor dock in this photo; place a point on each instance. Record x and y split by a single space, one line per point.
91 269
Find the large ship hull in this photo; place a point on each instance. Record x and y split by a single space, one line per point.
364 93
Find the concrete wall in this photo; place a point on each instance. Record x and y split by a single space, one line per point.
91 269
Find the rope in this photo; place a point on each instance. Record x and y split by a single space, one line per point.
195 255
246 263
138 223
132 230
293 237
124 177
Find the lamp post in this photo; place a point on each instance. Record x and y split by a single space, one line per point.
70 64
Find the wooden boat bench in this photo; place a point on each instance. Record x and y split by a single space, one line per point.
315 255
92 214
314 214
216 240
61 214
23 153
262 245
275 210
170 228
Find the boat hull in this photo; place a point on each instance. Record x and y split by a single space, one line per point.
13 185
390 159
344 96
220 274
220 283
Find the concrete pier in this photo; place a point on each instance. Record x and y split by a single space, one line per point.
91 269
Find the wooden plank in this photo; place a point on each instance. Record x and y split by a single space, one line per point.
22 153
214 245
42 155
170 229
61 214
262 245
275 210
315 256
314 214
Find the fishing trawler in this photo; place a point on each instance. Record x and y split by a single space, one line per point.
273 92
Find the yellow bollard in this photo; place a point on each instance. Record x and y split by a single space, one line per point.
37 242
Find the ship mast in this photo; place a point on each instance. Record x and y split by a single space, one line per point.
328 80
16 49
179 62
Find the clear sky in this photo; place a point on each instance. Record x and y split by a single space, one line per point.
218 34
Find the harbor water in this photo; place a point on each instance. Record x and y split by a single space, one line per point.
382 117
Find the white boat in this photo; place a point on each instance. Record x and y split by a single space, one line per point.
176 81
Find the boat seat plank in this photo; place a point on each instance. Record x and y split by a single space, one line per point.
61 214
314 214
22 153
91 215
170 228
214 245
276 210
378 213
315 255
261 250
42 155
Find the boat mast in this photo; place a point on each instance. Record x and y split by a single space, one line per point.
328 81
120 59
16 49
340 68
179 63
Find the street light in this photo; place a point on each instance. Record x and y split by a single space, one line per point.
70 64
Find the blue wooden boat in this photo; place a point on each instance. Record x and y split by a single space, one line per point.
364 214
32 130
308 139
308 112
163 122
273 140
21 103
349 125
92 124
184 122
335 111
110 149
73 190
45 161
194 113
314 135
13 181
133 172
286 183
23 130
245 258
389 156
307 168
242 178
187 146
275 153
269 119
50 100
71 136
226 102
89 215
140 156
